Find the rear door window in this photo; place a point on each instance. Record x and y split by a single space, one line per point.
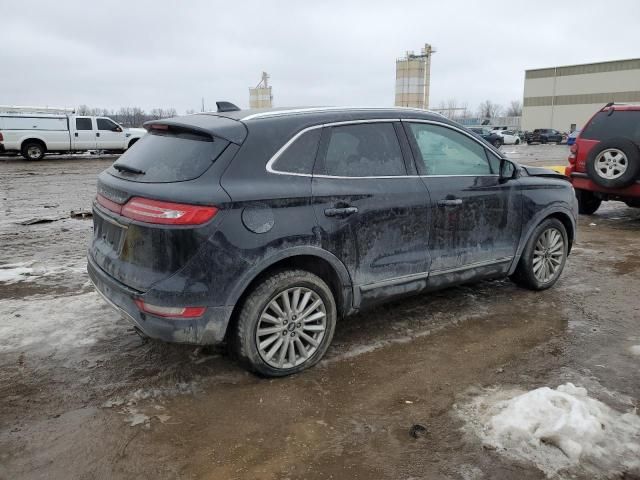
83 124
364 150
620 123
169 156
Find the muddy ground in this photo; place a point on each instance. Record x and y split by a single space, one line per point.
82 396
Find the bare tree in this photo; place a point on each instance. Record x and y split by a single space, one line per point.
488 109
514 109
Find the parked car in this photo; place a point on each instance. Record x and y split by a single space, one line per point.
509 137
604 163
492 137
545 135
571 138
262 229
34 132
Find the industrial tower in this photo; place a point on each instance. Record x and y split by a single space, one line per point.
413 76
260 96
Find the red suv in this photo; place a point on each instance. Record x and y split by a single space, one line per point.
605 160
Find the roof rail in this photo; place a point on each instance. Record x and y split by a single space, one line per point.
295 111
23 109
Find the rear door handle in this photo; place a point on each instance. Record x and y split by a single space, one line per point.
450 203
340 212
75 134
98 134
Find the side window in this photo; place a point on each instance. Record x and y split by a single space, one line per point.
300 155
105 124
447 152
364 150
83 124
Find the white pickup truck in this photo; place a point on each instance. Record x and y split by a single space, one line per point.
34 132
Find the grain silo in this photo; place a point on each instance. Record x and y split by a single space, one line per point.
413 74
260 96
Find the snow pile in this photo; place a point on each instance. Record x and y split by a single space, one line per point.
30 271
557 429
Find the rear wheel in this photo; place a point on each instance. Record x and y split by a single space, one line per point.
497 143
517 141
588 203
286 324
544 256
33 150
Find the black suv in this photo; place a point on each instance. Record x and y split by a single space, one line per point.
544 135
261 229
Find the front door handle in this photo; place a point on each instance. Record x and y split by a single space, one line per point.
97 134
450 203
76 134
340 212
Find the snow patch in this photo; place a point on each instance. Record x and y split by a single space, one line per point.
55 324
635 349
557 429
29 271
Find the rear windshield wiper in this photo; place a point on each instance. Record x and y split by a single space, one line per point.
124 168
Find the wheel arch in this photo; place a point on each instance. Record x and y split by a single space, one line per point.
311 259
132 141
562 214
28 139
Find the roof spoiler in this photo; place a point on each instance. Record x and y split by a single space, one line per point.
227 107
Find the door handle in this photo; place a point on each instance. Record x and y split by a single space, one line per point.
97 134
450 203
75 134
340 212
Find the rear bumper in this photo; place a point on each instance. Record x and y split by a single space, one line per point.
581 181
206 330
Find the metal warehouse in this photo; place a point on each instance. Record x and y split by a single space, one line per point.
565 97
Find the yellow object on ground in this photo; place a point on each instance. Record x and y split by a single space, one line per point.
557 168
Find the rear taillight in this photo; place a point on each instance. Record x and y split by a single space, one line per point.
1 137
170 312
159 212
574 154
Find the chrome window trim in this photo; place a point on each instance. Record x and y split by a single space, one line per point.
274 158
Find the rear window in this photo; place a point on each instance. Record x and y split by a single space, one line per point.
169 156
621 123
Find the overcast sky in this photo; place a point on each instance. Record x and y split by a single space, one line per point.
170 54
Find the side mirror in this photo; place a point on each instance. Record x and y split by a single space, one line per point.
117 129
507 170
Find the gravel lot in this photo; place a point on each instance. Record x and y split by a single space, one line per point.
82 396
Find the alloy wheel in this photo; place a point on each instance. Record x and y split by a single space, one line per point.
611 163
548 255
291 327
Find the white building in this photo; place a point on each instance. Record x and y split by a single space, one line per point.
566 97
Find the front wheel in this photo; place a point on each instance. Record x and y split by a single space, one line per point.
285 324
517 141
544 256
497 143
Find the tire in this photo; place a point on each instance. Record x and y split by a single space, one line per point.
543 141
525 274
497 143
614 163
33 150
528 142
260 303
588 203
517 141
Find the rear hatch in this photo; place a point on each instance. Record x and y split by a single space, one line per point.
162 199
